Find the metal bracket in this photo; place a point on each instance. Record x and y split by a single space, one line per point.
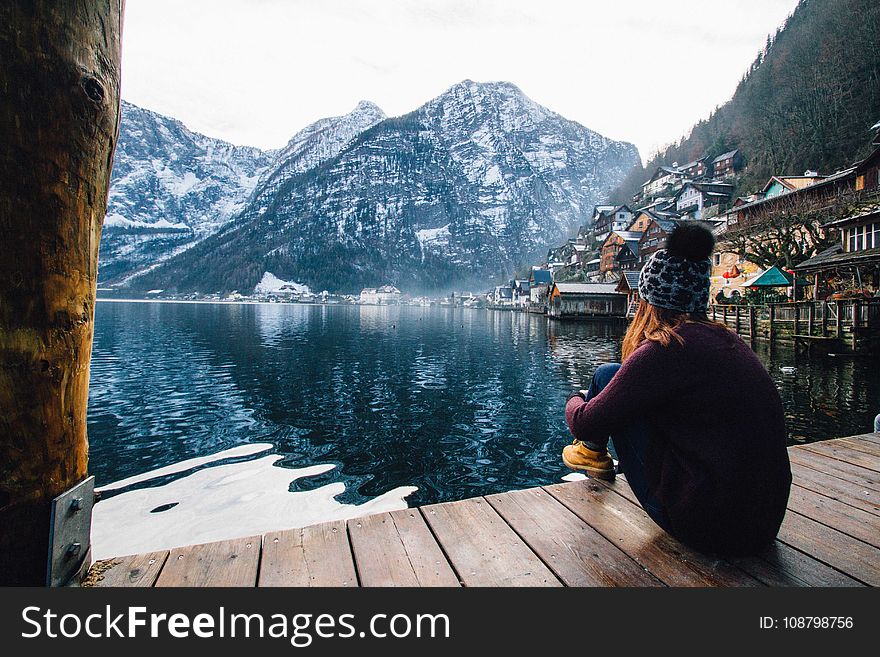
69 532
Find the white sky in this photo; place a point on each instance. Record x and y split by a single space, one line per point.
257 71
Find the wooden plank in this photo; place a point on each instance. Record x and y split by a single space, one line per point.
630 528
224 563
845 492
379 555
576 552
778 565
845 553
844 518
847 454
136 570
839 469
318 555
861 445
483 549
781 565
873 438
427 559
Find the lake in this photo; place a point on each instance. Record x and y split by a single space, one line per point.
208 421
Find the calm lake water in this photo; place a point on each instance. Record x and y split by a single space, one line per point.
454 402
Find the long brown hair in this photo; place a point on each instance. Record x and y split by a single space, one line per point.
658 325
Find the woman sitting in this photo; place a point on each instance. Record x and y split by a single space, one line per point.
717 484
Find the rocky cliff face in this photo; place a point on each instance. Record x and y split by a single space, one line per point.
469 187
170 188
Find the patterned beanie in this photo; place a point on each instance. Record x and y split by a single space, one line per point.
676 283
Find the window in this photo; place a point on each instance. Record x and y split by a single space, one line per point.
717 259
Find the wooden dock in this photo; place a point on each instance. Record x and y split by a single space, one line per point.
586 533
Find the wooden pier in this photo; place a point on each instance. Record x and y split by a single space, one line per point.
586 533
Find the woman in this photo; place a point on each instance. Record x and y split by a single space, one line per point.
718 484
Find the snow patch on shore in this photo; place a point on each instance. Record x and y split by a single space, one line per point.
222 502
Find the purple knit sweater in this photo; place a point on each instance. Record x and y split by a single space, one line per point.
718 462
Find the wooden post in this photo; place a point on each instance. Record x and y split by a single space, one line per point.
772 318
752 324
811 315
725 315
837 320
59 121
824 318
736 321
856 310
797 318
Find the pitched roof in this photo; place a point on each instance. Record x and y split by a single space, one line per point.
773 277
726 155
836 256
541 276
587 288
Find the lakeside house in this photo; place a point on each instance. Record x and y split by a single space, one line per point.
586 300
629 285
385 295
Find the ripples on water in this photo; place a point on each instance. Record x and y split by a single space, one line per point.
455 402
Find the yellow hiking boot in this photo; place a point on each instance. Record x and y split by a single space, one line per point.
578 456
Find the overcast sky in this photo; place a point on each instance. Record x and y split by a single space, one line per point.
257 71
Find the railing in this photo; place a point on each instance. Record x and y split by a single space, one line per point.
848 318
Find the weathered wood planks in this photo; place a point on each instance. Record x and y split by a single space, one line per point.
397 549
630 528
573 550
224 563
138 570
483 549
318 555
587 533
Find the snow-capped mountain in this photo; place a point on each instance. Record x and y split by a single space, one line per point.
472 185
170 188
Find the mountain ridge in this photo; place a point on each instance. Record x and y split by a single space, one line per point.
467 187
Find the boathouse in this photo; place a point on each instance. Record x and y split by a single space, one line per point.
586 300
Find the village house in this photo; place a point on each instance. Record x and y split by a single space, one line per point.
784 184
611 247
615 219
627 259
727 164
521 295
385 295
820 189
852 265
503 296
586 300
695 170
629 285
695 198
539 286
665 180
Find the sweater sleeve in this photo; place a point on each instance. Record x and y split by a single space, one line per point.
648 378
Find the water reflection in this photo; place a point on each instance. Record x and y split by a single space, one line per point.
455 402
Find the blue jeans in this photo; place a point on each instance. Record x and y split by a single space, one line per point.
630 444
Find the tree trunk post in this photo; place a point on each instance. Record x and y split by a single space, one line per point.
59 122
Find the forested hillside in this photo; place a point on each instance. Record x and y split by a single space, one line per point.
806 102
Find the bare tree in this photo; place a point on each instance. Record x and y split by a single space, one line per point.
59 121
790 228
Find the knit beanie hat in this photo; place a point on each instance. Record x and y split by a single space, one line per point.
677 277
